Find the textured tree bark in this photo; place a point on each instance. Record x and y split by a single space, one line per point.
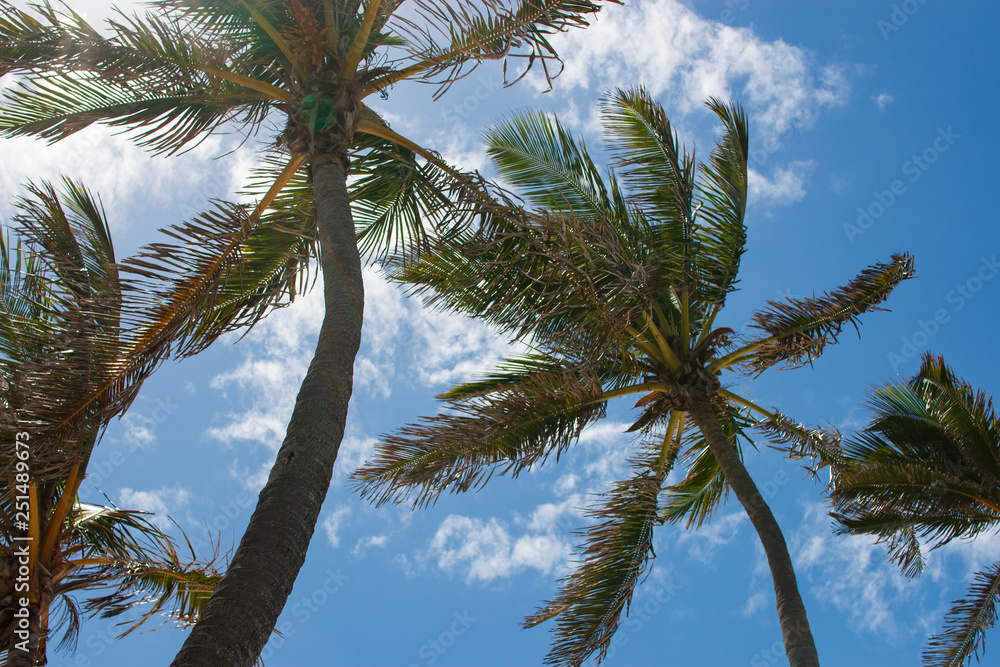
799 645
238 620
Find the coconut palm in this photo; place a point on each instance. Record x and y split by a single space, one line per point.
927 468
616 282
190 68
60 332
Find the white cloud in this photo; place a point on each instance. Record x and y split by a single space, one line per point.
139 431
705 541
162 503
785 185
883 100
365 543
852 574
484 550
333 522
121 173
684 58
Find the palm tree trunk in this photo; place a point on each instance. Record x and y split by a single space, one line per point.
239 618
799 645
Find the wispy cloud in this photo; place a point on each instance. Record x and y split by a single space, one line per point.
163 503
883 100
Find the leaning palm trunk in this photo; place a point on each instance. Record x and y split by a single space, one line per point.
799 645
236 624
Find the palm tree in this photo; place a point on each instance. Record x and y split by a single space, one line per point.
616 282
60 332
927 467
190 68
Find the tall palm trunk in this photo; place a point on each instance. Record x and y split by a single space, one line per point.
238 620
799 645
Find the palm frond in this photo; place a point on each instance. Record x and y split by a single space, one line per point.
798 441
401 205
539 156
655 168
447 40
798 329
220 272
966 623
59 323
149 78
723 190
615 557
521 423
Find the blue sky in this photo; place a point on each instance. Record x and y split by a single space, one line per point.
872 131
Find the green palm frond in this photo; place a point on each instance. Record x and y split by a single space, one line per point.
925 470
966 623
723 194
798 441
552 169
703 490
657 170
798 329
401 205
447 40
521 423
615 557
59 322
150 78
122 551
220 272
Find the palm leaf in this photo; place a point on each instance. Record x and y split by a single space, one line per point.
798 329
443 38
966 623
616 555
521 422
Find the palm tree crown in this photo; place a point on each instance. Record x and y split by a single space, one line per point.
616 281
189 68
927 469
61 302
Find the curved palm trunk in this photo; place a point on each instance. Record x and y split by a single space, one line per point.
238 620
799 645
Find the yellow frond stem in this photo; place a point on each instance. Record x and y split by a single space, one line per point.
746 403
273 92
668 354
736 356
675 418
633 389
353 58
59 514
709 323
643 344
330 23
279 184
369 126
685 320
272 32
34 515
